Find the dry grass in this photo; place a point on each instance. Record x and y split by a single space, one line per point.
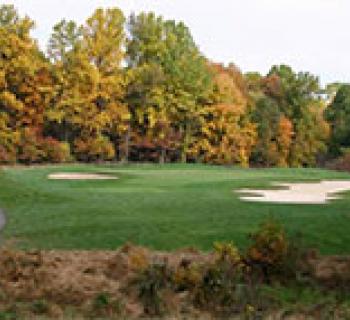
78 279
98 284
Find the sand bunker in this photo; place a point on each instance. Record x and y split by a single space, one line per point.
299 193
80 176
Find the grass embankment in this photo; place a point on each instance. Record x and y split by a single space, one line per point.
161 207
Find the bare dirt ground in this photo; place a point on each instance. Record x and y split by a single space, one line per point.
299 193
80 176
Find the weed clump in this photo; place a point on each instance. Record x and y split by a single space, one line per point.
152 284
273 256
222 284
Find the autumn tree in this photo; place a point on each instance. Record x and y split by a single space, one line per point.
153 137
146 93
284 139
226 134
64 51
15 44
26 89
91 89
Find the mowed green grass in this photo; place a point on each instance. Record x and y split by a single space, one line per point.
162 207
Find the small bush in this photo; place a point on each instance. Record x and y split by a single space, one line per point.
102 301
8 315
40 307
30 146
272 254
151 284
106 305
223 288
55 151
7 154
34 148
340 164
94 149
187 276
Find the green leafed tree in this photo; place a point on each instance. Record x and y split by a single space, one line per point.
167 49
338 115
294 99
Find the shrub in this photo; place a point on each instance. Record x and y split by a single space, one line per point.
7 154
8 315
97 148
187 276
30 146
106 305
151 284
272 254
341 164
55 151
34 148
102 301
223 288
40 307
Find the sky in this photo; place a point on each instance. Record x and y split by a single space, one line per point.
309 35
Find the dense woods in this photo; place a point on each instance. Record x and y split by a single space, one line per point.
139 89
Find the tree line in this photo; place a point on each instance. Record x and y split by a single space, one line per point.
139 89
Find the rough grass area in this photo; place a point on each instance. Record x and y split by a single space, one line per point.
161 207
134 282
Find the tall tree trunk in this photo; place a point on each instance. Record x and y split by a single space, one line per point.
65 129
162 155
127 146
186 142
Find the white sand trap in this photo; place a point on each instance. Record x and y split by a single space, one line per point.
298 193
80 176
